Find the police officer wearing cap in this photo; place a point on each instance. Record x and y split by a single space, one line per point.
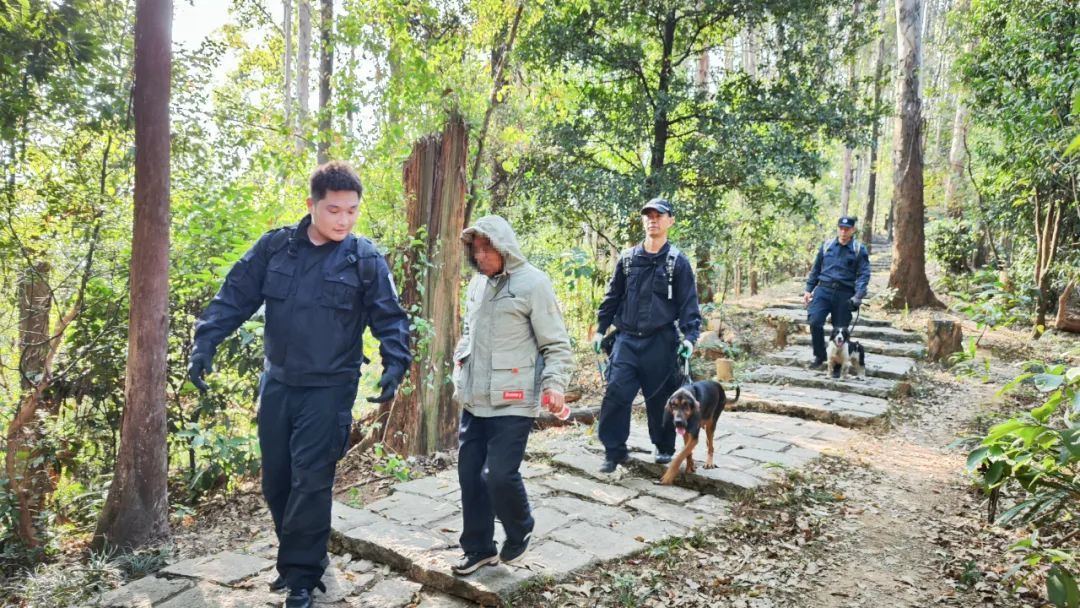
652 302
836 285
321 287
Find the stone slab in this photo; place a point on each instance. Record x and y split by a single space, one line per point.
649 529
882 388
226 568
143 593
490 585
846 409
395 592
339 586
605 543
686 520
388 542
435 599
412 509
605 493
577 509
878 366
430 487
893 349
672 493
344 517
798 315
555 558
209 595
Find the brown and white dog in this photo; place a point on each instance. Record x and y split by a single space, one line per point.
696 405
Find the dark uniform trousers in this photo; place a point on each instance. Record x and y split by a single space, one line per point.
490 451
647 363
303 432
828 301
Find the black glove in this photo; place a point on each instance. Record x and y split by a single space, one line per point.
855 302
199 365
388 383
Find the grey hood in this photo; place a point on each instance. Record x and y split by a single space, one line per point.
502 237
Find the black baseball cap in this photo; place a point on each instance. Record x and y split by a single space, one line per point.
847 221
659 204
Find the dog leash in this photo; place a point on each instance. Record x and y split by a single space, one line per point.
854 322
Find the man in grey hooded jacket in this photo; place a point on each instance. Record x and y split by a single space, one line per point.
514 353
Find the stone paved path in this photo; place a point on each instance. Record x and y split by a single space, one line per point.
397 551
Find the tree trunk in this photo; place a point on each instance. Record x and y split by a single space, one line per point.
871 185
908 273
847 166
426 419
704 280
137 508
500 57
288 23
738 277
326 72
943 339
303 74
953 205
1047 229
24 460
658 150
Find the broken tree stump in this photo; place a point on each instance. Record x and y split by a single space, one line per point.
724 370
944 338
782 326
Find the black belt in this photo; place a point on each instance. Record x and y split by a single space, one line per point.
833 285
647 333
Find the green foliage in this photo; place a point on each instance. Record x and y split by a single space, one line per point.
390 464
1038 455
991 299
951 242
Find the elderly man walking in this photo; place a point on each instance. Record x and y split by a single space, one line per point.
514 350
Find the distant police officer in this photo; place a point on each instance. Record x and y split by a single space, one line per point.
651 300
836 285
322 287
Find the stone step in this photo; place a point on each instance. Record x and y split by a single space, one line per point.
835 407
795 376
580 521
884 334
878 366
747 447
798 315
893 349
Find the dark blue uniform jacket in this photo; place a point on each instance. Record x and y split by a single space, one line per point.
638 303
318 302
839 265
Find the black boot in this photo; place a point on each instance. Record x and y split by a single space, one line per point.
279 583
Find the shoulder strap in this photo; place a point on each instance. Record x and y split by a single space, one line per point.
280 238
625 259
365 260
672 257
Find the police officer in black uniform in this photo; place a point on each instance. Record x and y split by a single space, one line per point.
651 300
321 287
836 285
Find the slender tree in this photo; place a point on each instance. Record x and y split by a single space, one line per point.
908 273
303 72
326 72
871 182
136 510
288 59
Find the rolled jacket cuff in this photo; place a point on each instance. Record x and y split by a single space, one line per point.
553 385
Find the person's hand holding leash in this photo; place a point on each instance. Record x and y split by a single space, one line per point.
686 349
597 338
855 302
